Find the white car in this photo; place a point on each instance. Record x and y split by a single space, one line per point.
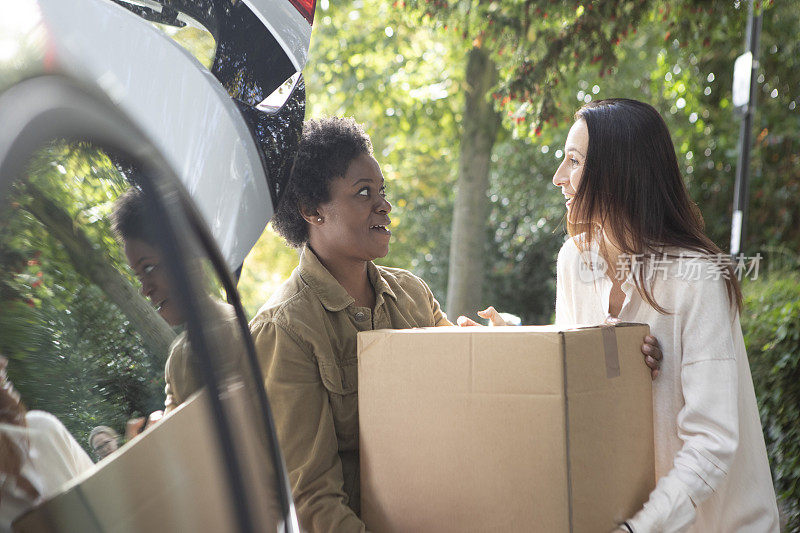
96 98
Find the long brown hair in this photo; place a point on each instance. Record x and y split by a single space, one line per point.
632 187
12 412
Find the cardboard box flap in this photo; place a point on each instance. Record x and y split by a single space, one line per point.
170 478
131 491
497 361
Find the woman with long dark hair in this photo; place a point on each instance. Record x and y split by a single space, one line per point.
638 252
37 454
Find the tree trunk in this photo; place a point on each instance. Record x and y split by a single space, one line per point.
480 124
155 332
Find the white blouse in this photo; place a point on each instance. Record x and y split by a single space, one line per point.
711 461
53 458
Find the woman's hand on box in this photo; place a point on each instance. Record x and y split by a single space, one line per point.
134 426
652 355
650 348
490 314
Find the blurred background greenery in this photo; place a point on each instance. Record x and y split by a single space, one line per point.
405 69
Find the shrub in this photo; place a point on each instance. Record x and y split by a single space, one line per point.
771 325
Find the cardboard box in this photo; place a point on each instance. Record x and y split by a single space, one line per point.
170 478
504 429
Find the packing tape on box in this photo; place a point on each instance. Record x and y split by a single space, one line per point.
611 351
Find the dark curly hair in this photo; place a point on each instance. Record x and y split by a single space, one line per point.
327 147
129 218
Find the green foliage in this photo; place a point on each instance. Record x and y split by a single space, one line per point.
538 43
268 264
524 232
771 323
83 362
691 86
535 44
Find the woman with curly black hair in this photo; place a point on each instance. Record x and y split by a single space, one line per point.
335 210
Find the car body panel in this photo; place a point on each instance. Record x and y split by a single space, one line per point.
288 26
149 81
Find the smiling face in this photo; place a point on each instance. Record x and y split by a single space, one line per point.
145 261
569 172
355 220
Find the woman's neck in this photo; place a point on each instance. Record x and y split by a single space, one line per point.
351 275
609 247
610 251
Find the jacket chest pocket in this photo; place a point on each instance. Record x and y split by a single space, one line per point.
341 382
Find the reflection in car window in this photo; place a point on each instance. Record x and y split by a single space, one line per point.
222 337
97 336
84 344
198 41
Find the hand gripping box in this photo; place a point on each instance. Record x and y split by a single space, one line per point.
504 429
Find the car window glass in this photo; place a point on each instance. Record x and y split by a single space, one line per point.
98 335
84 343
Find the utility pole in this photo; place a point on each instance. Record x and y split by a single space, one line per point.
745 86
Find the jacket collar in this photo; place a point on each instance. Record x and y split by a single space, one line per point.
332 295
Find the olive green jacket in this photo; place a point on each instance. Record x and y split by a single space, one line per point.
305 338
180 374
